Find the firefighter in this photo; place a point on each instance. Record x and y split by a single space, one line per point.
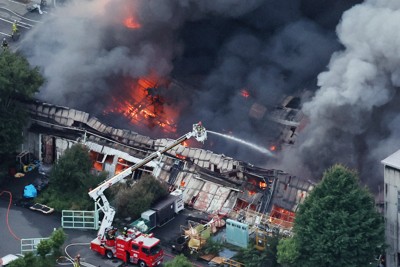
4 44
15 32
125 232
77 261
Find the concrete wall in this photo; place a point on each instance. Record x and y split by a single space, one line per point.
392 215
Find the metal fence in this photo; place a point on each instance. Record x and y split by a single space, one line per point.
80 219
30 244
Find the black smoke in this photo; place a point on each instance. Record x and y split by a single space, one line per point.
217 49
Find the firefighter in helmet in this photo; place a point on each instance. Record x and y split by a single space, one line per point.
125 232
77 261
4 44
14 30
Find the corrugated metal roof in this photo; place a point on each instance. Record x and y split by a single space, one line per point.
111 151
179 149
206 195
393 160
229 203
192 188
219 199
208 198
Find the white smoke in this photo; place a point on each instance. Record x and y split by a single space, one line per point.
353 118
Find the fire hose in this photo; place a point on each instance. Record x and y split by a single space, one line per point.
7 215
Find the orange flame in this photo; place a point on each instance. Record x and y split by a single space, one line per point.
262 185
272 148
145 106
132 23
251 193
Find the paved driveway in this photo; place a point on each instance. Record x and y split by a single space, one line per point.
25 223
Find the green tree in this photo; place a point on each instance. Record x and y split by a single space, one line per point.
287 251
132 200
251 257
18 263
44 247
71 179
212 247
337 225
271 250
30 260
18 82
180 261
58 238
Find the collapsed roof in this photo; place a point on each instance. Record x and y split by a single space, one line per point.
213 183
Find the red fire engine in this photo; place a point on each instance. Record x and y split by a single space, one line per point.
133 246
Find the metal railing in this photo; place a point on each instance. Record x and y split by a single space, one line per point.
30 244
80 219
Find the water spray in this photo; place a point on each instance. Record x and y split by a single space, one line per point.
251 145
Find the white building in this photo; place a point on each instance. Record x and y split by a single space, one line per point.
392 207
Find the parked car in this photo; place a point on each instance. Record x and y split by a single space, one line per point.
4 261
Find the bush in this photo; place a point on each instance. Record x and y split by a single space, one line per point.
131 201
44 247
180 261
71 179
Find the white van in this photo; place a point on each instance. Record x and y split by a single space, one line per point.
4 261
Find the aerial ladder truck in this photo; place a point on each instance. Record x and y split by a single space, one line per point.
133 247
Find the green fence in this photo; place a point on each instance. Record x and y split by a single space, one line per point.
30 244
80 219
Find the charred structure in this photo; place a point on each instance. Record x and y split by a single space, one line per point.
213 183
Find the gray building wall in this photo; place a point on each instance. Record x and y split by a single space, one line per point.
392 207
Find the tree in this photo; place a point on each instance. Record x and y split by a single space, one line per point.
58 238
44 247
287 251
251 257
271 250
337 225
131 201
180 261
18 82
71 179
212 247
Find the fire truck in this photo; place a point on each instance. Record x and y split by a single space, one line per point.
132 246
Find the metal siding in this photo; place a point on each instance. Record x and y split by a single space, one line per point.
393 160
191 152
192 188
179 149
206 196
197 153
229 203
219 199
185 152
392 186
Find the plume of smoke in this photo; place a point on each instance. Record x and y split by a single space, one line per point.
265 46
353 116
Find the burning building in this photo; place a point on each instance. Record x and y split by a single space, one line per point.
119 57
213 183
